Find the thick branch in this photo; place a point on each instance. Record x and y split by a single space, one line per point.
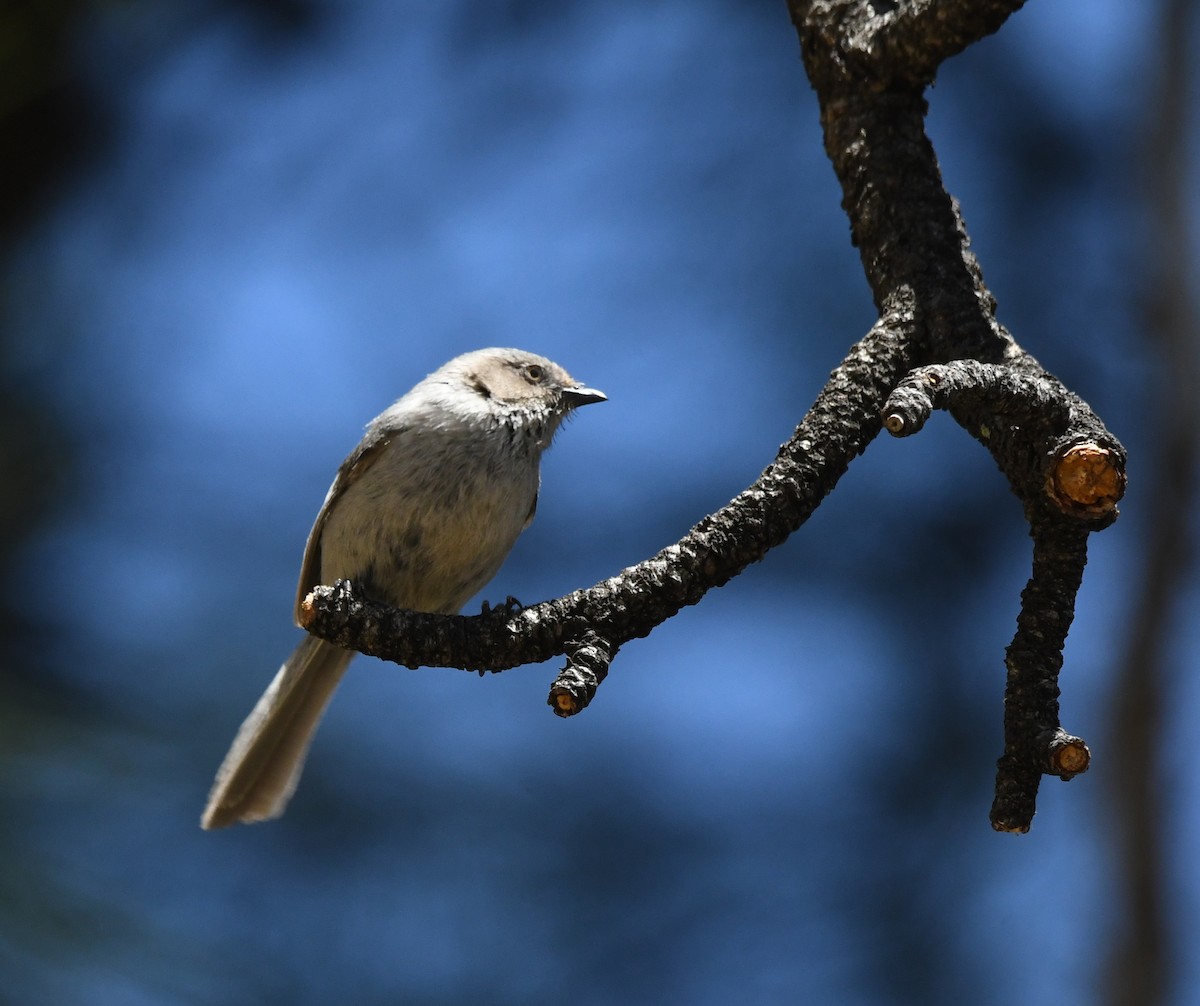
906 226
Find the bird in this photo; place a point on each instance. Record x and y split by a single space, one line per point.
420 515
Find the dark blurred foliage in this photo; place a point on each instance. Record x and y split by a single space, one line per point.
795 813
45 127
48 123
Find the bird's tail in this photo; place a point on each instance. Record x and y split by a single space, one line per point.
260 772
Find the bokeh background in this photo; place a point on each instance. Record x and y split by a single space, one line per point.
234 231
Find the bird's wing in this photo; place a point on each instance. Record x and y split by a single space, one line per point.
351 470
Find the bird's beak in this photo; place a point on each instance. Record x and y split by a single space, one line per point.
577 396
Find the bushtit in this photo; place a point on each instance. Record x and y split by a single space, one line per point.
420 516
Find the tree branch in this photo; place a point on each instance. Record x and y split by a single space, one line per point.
600 619
869 62
1034 743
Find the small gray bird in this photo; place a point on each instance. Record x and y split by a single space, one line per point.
420 516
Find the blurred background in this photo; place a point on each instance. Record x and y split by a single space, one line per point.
234 230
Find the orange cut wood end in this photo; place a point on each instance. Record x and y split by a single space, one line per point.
1087 478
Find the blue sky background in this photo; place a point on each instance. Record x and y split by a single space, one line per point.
782 794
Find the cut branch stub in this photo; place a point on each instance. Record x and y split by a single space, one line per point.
1087 479
1066 756
587 664
911 404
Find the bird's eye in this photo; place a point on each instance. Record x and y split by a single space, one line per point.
535 372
